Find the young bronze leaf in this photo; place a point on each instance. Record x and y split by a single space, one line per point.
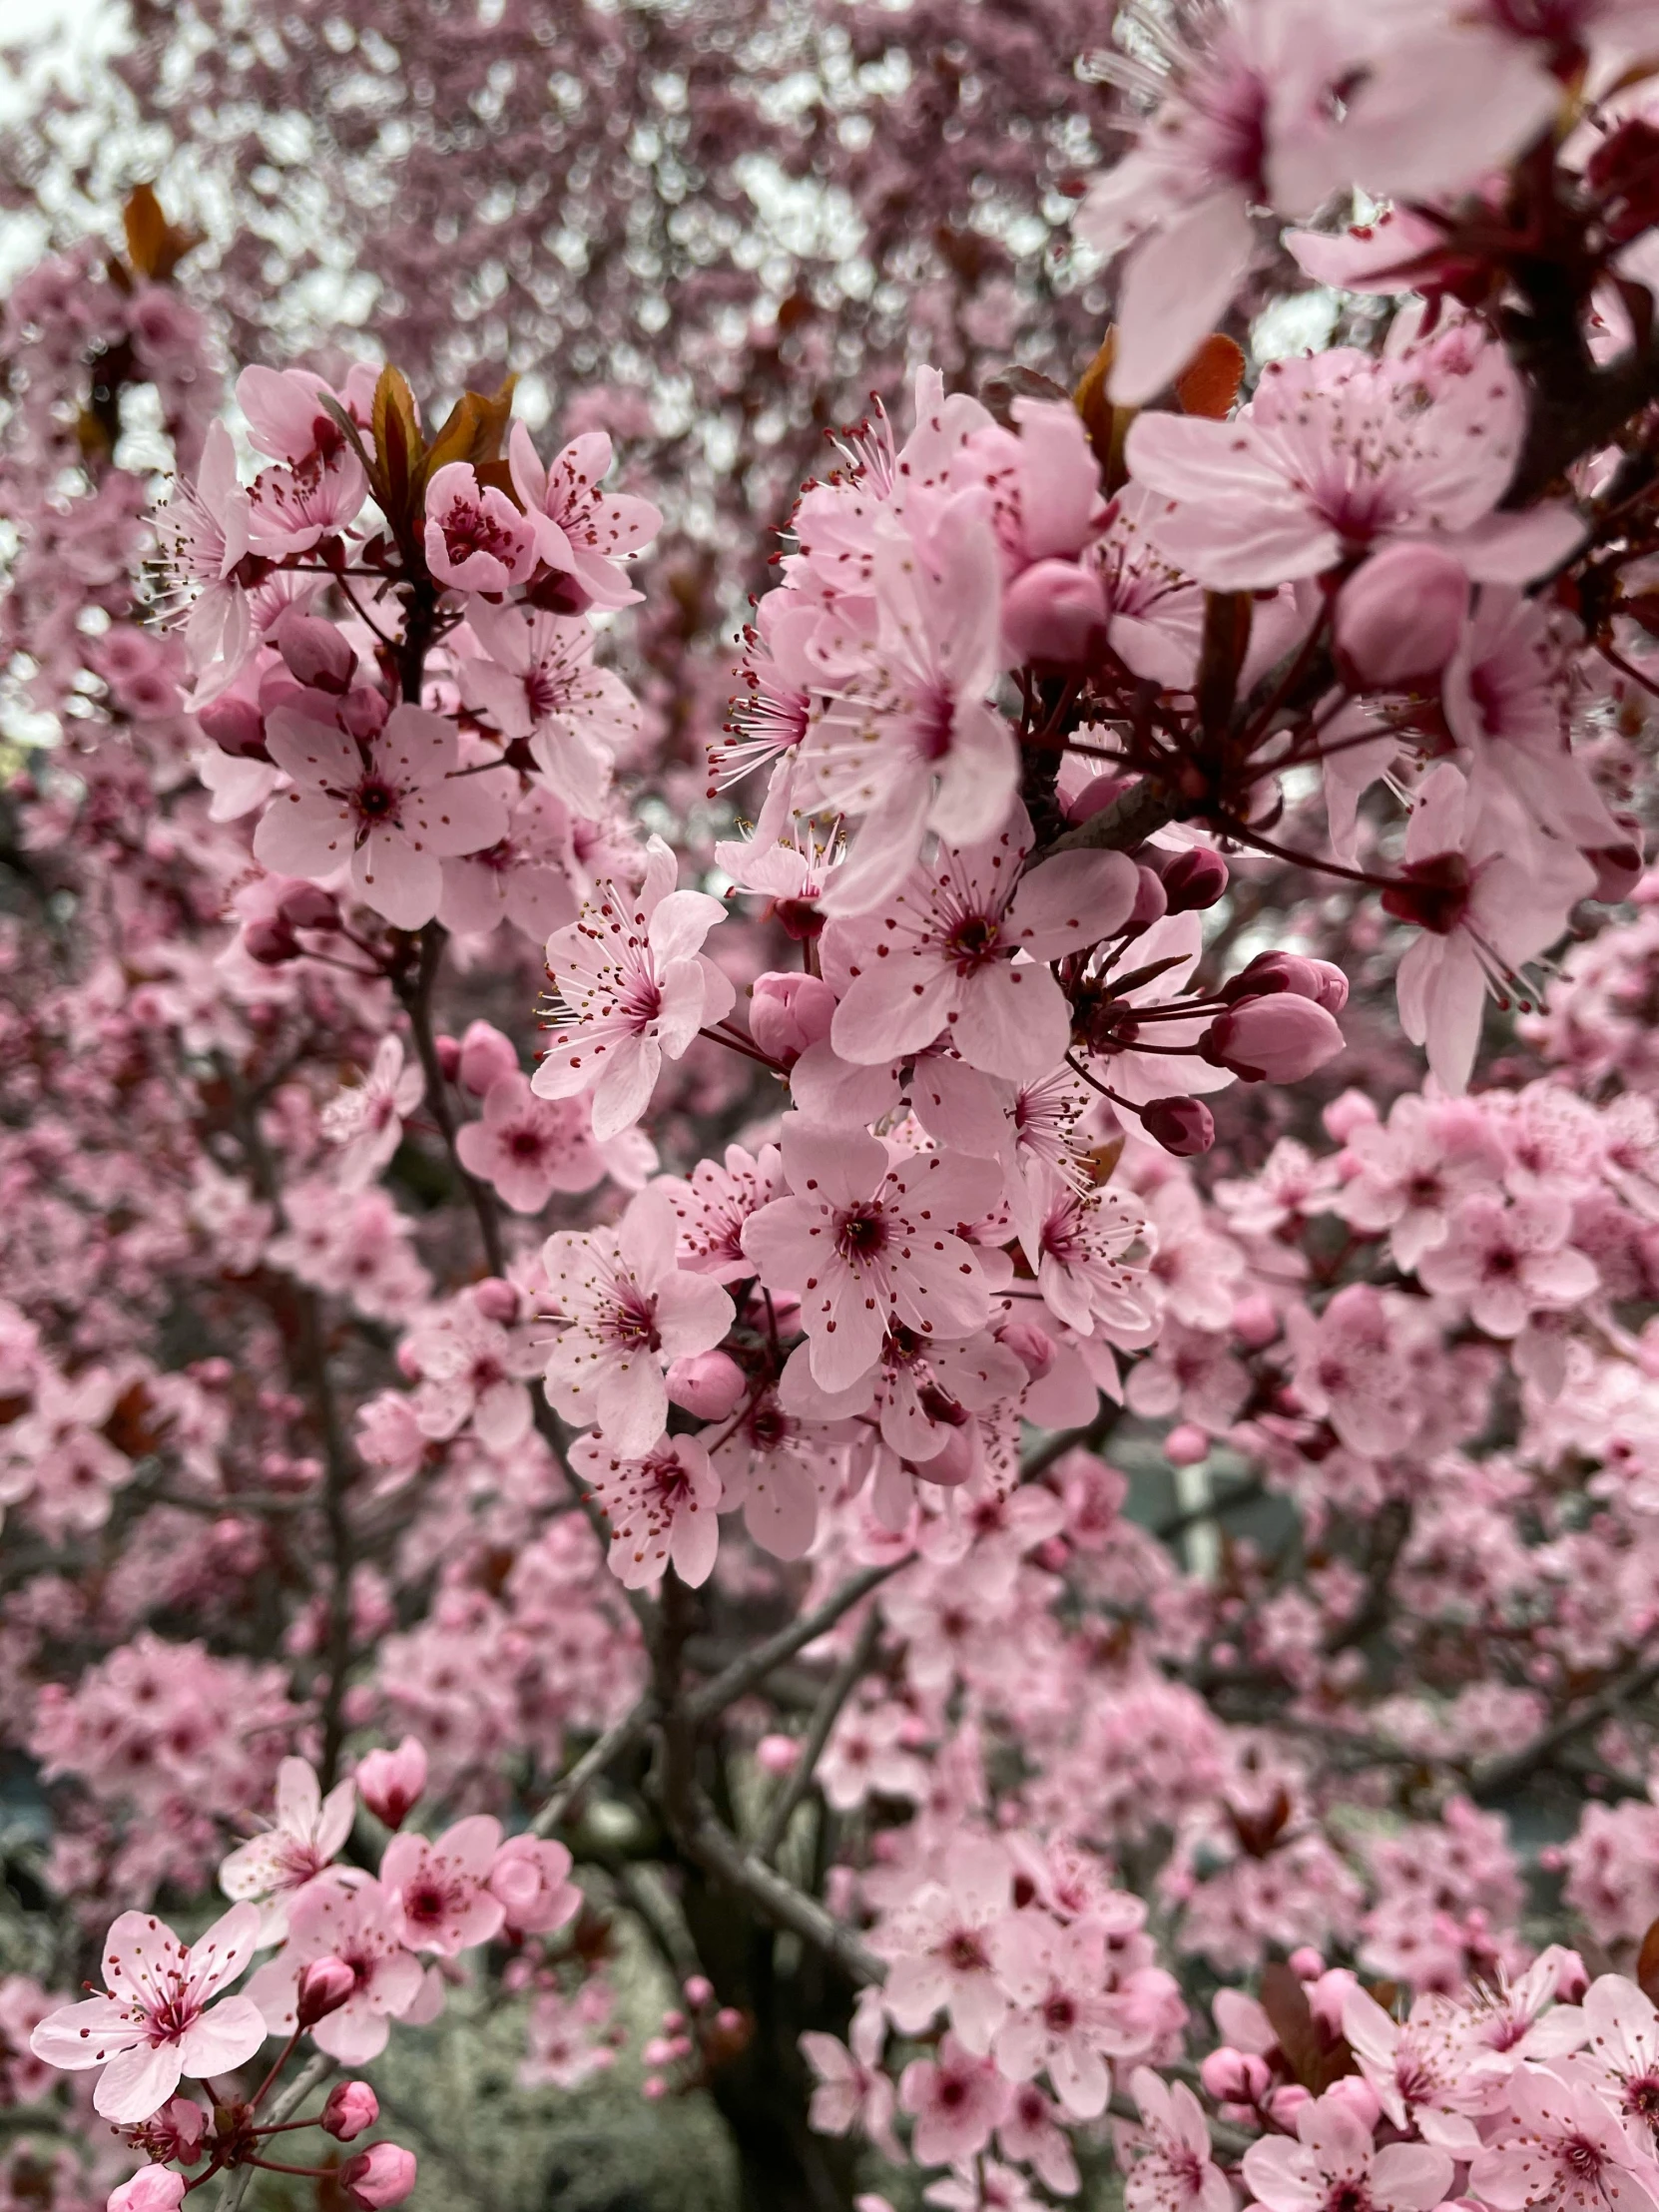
1209 384
1106 425
1647 1963
398 447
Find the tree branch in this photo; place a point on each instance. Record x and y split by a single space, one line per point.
754 1666
616 1739
836 1691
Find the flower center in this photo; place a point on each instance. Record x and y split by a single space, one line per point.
862 1232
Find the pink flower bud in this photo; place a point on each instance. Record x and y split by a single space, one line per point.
1285 2102
1193 880
1234 2076
1186 1446
1151 900
1353 1110
1184 1126
730 2022
1618 870
448 1050
1399 616
1306 1964
786 1014
673 2020
390 1781
776 1754
352 2107
654 2088
496 1300
1571 1977
382 2175
1255 1322
710 1384
309 907
1055 615
1033 1347
237 727
316 653
659 2051
1356 2094
1271 1040
698 1989
270 941
325 1985
151 2189
1270 972
486 1056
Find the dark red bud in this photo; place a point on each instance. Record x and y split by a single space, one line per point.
1184 1126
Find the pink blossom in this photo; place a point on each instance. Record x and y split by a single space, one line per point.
151 2189
1063 2021
1177 2171
956 2100
344 1915
636 990
379 2176
863 1241
308 1830
852 2091
1341 453
579 531
944 1946
539 681
531 1878
1332 2166
391 1783
1506 1261
941 958
660 1508
389 805
440 1890
626 1310
204 534
475 538
1569 2151
527 1147
157 2021
367 1121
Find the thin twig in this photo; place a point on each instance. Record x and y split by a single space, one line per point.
718 1852
836 1691
308 2078
593 1762
743 1674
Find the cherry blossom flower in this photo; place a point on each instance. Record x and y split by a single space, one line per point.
1063 2021
1506 1261
1343 452
956 2100
625 1312
440 1889
942 956
851 2090
862 1242
1177 2171
308 1830
389 805
204 534
476 539
539 681
156 2019
943 1947
1569 2151
525 877
1083 1245
579 531
636 989
348 1916
527 1147
1331 2163
367 1121
662 1507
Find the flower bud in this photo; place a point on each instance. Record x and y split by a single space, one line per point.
1151 900
270 941
1354 2093
497 1300
325 1985
352 2107
1399 616
309 907
486 1056
1184 1126
698 1989
448 1050
151 2189
710 1384
1285 2102
1055 615
1234 2076
1571 1978
1033 1347
1255 1322
1193 880
237 727
777 1755
1290 971
786 1014
390 1781
382 2175
1306 1963
1186 1446
1271 1040
316 653
530 1879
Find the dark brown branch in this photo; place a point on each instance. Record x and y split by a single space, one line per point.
744 1674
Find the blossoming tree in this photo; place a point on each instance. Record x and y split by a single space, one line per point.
993 1363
